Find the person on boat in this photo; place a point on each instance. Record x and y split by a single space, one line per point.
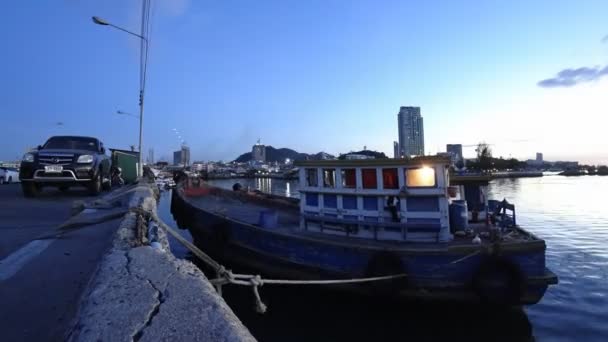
391 206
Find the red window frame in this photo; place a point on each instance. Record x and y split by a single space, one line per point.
369 178
390 178
349 178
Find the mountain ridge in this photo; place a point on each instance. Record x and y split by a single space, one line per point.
280 154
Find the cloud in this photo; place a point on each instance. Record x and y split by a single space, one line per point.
605 39
572 77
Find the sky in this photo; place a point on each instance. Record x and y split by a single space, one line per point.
318 75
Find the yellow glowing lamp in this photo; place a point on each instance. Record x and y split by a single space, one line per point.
420 177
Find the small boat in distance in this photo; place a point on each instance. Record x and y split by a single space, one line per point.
375 217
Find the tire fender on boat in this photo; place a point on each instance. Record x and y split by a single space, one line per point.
386 264
498 281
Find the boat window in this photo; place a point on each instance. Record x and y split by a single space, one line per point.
390 179
312 199
349 178
369 179
311 177
330 201
421 177
329 178
370 203
349 202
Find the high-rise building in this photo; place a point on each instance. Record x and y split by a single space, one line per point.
182 157
151 156
177 157
455 150
185 155
539 157
396 153
258 152
411 132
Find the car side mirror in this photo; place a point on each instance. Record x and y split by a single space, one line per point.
103 150
39 147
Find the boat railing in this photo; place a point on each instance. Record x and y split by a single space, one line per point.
352 226
500 214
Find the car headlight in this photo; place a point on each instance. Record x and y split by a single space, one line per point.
85 158
28 157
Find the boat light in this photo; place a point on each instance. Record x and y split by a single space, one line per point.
421 177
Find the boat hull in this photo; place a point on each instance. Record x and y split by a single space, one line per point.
432 273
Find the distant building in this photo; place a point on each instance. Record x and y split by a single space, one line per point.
150 156
182 157
538 162
198 166
186 155
161 164
258 152
352 156
455 150
177 157
539 157
396 153
566 165
12 165
325 156
411 132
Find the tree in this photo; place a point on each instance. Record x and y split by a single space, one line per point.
484 156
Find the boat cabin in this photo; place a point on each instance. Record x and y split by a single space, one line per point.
382 199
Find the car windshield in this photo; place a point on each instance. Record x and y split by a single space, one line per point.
72 143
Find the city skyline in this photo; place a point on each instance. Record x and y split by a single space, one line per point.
224 74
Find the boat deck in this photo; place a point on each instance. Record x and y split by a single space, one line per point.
289 224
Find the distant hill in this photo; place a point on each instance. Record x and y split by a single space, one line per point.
375 154
280 154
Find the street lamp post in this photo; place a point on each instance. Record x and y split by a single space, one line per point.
142 71
120 112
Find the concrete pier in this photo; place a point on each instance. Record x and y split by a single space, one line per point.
144 293
81 268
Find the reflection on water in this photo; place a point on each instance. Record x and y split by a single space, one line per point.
269 185
568 212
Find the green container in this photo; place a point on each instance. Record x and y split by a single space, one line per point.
127 163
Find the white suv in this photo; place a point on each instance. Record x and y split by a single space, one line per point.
8 175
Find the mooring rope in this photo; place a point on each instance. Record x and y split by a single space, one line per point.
225 276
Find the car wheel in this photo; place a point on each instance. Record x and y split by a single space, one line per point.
1 180
10 179
95 186
30 189
106 184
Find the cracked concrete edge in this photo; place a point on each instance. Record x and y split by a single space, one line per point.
142 293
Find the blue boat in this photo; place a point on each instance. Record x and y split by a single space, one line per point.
370 218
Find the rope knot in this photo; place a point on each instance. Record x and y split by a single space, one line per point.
222 272
256 280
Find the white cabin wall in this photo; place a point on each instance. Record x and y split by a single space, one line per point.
439 191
